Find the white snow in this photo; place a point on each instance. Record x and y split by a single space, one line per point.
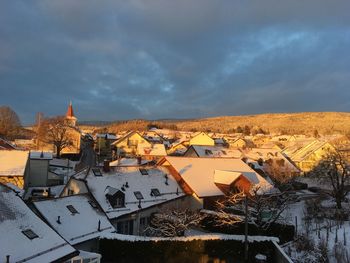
41 155
216 151
98 186
78 227
128 162
199 173
153 150
211 236
15 217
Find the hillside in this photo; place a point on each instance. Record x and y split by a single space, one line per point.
287 123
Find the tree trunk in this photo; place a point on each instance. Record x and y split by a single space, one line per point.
58 152
338 201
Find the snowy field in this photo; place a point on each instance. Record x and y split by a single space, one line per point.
323 233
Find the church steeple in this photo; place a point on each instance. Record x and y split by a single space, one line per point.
70 112
72 120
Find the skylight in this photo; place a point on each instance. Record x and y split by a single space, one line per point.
93 204
72 209
155 192
96 172
138 195
143 171
30 234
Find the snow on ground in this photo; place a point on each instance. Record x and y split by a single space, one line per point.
333 234
201 236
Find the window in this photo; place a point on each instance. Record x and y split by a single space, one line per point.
116 198
155 192
96 172
30 234
207 152
93 204
143 171
138 195
72 209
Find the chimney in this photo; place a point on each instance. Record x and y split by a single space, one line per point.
8 259
139 158
99 225
106 167
58 220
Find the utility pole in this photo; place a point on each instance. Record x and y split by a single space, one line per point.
246 229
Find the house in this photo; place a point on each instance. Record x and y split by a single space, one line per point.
103 144
37 173
306 157
25 237
127 145
77 218
130 195
241 143
13 166
177 149
153 152
212 151
6 145
202 139
271 161
201 177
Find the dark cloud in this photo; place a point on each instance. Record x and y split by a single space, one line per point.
173 59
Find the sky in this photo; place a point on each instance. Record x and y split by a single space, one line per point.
156 59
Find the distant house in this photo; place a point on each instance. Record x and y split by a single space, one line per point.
212 151
202 139
270 160
77 218
127 145
241 143
203 177
177 149
13 166
130 195
306 157
153 152
26 238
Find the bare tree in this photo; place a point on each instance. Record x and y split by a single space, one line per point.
263 209
335 170
173 223
55 131
10 124
279 171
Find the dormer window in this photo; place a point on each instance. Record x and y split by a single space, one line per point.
138 195
96 171
155 192
72 209
30 234
115 197
143 171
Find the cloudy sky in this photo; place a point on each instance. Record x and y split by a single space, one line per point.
173 59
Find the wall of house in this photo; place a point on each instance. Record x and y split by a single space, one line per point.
89 245
15 180
190 153
202 139
129 145
36 173
140 220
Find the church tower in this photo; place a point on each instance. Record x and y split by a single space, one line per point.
71 119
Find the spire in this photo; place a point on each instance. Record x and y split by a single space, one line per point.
70 112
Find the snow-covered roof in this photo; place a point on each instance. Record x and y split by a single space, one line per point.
41 155
199 173
154 150
62 163
216 151
6 145
75 227
136 181
13 162
128 162
225 177
17 220
107 136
